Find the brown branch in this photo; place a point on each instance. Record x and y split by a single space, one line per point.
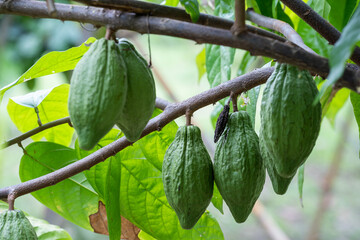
255 44
171 112
328 31
35 131
156 10
277 25
240 16
330 176
51 7
160 103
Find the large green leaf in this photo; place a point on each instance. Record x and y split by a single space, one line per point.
343 49
219 58
312 38
192 8
43 229
142 197
355 101
51 63
341 12
73 198
51 104
105 178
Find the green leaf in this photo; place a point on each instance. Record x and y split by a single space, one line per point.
218 64
336 104
144 236
43 229
341 12
200 63
142 197
219 58
217 199
74 198
312 38
192 8
355 101
215 113
301 182
172 3
343 49
105 178
51 104
51 63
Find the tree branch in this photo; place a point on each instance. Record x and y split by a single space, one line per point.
156 10
171 112
278 25
328 31
35 131
255 44
239 24
160 103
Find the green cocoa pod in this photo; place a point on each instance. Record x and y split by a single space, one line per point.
140 98
188 178
279 183
15 226
238 167
97 92
290 121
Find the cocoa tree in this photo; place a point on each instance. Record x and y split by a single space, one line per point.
118 191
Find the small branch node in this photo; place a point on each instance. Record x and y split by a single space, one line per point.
110 33
38 116
11 200
188 115
233 98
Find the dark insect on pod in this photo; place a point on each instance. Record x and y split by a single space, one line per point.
221 122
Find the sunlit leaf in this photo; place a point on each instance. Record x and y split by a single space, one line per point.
336 104
74 198
51 63
51 105
200 63
43 229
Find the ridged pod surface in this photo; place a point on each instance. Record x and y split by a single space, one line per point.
188 178
279 183
140 98
290 122
238 167
97 92
15 226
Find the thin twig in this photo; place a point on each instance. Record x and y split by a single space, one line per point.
255 44
159 103
171 112
279 26
328 31
35 131
240 16
51 7
329 179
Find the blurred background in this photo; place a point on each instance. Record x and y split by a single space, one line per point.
331 208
